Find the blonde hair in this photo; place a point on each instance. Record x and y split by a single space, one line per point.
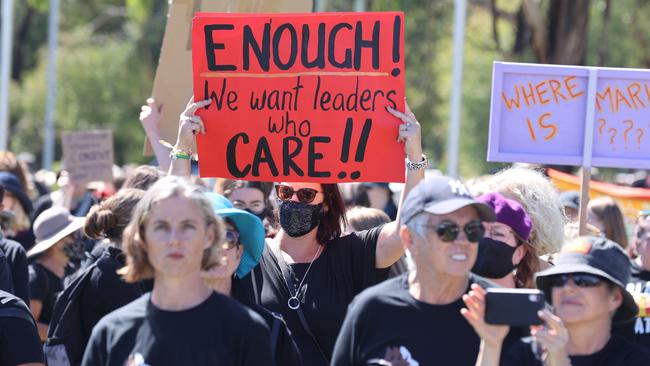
134 243
540 200
20 220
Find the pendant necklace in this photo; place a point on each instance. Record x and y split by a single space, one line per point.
293 301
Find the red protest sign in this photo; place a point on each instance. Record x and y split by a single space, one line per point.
300 97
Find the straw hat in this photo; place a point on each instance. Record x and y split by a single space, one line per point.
51 226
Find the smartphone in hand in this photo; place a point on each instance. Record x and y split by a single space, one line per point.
514 307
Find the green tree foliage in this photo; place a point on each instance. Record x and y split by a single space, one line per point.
107 55
99 86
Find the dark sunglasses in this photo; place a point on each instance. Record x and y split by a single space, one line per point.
232 240
448 230
580 279
305 195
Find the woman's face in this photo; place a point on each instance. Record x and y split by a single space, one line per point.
176 235
9 202
500 232
232 251
642 241
251 199
575 304
299 185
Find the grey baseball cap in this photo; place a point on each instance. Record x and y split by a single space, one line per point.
441 195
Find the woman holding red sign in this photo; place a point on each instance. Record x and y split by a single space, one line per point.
309 272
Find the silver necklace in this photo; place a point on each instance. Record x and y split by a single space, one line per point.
293 303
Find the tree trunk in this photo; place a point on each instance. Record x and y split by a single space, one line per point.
567 31
562 40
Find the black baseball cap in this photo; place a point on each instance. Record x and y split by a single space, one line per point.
441 195
598 256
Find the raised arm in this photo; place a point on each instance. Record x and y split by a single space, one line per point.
389 245
492 336
150 117
188 126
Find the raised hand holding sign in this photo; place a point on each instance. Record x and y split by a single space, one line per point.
300 97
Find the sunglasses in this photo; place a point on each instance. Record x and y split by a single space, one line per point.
448 230
580 279
305 195
232 240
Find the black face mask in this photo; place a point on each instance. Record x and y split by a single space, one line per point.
494 259
297 218
75 250
259 215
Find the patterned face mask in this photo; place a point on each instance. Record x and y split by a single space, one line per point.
298 219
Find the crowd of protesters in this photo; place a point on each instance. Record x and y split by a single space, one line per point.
160 267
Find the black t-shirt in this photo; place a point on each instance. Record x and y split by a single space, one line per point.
219 331
386 323
17 258
44 286
617 352
6 280
639 287
19 341
106 290
286 352
345 268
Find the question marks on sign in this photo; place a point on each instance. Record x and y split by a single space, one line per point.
612 135
602 124
629 125
630 131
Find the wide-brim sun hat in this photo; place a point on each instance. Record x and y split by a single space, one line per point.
597 256
251 232
51 226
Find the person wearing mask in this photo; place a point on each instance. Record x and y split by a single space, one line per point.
639 285
415 318
104 290
241 251
19 341
587 290
56 233
504 255
604 213
309 272
173 235
18 207
254 198
540 199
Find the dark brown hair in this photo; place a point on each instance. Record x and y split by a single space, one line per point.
269 220
364 218
109 218
143 177
527 267
334 215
